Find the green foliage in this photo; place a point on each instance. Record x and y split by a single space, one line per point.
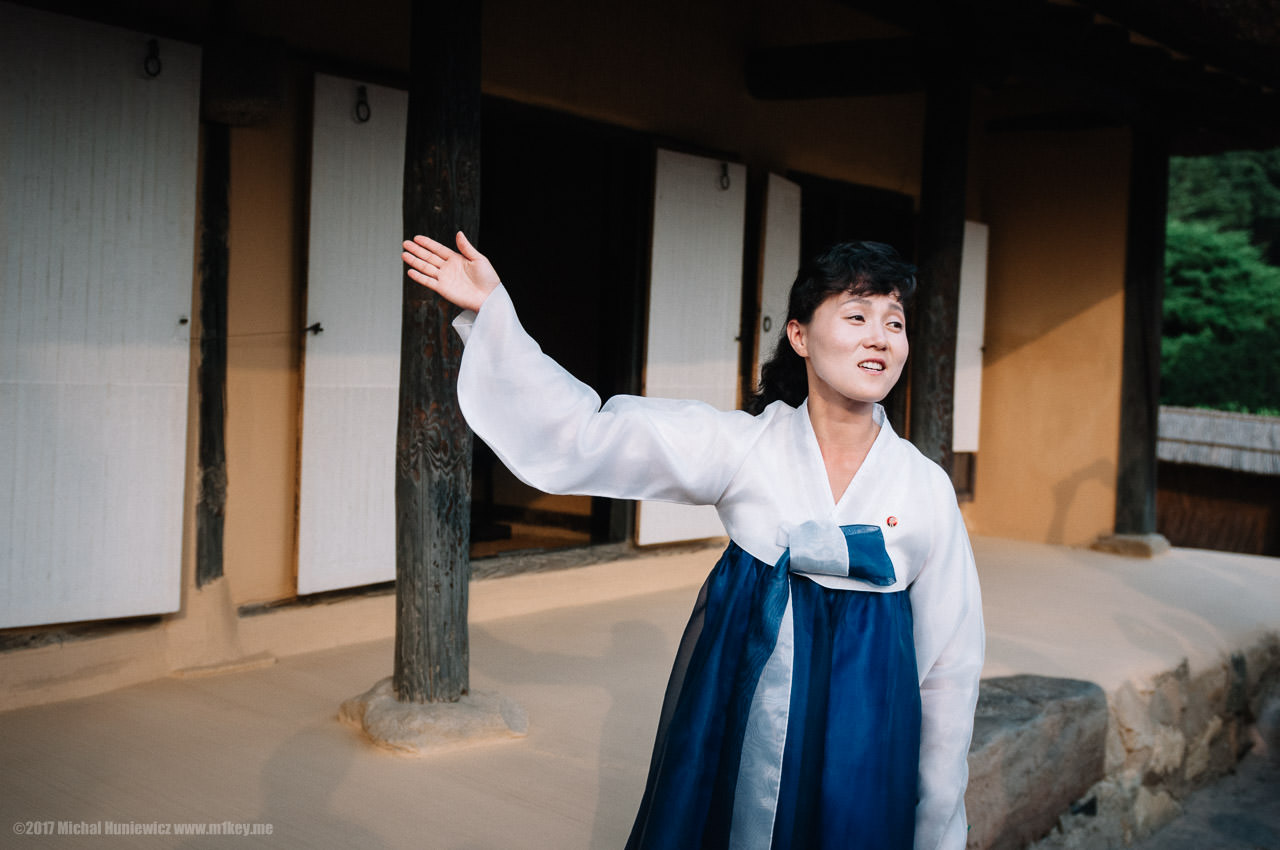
1239 190
1221 341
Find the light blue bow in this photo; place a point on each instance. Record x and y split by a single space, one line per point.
847 551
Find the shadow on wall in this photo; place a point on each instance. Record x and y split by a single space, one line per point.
1067 491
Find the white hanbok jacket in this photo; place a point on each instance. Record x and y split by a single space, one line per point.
764 474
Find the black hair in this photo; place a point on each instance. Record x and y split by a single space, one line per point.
861 268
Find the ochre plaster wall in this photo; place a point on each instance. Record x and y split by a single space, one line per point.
1046 466
268 196
676 70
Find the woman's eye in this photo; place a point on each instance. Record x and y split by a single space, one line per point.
856 317
897 326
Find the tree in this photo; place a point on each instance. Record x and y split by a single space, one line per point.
1237 190
1221 321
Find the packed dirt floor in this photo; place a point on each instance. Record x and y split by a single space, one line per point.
586 652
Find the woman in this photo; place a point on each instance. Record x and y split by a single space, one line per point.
824 689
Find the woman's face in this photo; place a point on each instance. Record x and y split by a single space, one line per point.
854 347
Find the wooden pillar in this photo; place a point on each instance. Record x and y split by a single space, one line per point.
433 448
932 322
1143 310
211 374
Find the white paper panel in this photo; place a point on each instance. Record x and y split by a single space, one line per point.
346 519
780 261
97 228
970 326
695 298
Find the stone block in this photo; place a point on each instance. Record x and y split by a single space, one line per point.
1170 736
1262 674
1169 697
1134 729
1200 753
423 729
1133 545
1168 748
1039 744
1152 810
1268 725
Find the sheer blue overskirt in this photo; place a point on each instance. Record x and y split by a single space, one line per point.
850 762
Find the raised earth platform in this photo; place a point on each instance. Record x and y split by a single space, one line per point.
1184 646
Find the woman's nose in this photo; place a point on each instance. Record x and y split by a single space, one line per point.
875 337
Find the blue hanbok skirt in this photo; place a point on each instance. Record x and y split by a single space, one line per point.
791 720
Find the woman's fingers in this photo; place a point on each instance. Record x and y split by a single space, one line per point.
428 250
464 279
426 256
426 280
466 248
433 246
417 266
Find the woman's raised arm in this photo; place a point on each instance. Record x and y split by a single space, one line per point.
464 277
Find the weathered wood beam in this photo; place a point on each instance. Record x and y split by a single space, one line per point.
1053 122
838 69
1203 141
1073 55
1064 49
928 18
939 250
1070 50
1143 310
211 373
1243 37
433 443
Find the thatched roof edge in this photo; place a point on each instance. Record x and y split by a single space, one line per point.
1239 441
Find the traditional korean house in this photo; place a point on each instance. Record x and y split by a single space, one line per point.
200 214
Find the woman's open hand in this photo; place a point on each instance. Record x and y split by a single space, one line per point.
463 277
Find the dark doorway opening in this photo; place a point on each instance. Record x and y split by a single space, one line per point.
565 220
832 211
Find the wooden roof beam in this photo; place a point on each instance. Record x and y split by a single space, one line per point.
839 69
1240 36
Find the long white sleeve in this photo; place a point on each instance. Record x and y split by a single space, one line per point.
552 432
950 644
761 472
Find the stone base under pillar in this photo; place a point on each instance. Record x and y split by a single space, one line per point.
423 728
1134 545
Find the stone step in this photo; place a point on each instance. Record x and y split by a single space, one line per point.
1039 743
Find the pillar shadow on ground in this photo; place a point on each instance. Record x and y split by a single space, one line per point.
299 783
606 667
